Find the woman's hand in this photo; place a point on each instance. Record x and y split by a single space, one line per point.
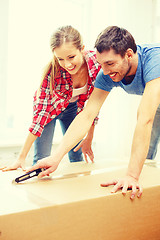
20 163
128 182
48 163
85 144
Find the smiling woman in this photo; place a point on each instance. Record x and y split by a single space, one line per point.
54 99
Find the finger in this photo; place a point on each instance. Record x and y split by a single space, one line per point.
134 191
140 191
23 168
4 169
8 169
36 166
112 182
1 168
91 156
85 157
45 173
116 188
124 189
78 147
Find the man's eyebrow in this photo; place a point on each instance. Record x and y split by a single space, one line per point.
106 62
110 61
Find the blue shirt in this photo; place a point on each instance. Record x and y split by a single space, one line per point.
147 70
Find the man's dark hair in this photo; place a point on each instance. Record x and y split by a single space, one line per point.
118 39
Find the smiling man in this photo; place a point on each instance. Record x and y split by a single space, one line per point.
136 69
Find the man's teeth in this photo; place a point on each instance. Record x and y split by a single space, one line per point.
112 75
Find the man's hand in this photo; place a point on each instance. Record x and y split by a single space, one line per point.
48 163
125 183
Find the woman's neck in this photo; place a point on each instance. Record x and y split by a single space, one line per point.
80 78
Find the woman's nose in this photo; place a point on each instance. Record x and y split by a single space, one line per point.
67 64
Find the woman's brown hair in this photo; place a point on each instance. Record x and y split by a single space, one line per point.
60 36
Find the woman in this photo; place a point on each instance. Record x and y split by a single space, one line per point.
66 84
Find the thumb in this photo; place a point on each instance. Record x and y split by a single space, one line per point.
78 147
23 167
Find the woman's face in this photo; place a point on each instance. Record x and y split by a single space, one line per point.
69 57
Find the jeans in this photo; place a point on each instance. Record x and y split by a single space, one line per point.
155 136
43 144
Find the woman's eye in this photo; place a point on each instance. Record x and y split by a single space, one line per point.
72 57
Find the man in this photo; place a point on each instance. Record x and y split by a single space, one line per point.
136 69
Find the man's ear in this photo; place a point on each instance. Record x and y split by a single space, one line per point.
129 53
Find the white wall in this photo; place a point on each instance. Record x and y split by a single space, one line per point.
134 15
4 9
31 23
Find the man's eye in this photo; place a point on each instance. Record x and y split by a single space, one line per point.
72 57
60 59
109 64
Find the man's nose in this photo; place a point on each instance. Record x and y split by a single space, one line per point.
105 70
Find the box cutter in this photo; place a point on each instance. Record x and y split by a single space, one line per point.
65 176
28 175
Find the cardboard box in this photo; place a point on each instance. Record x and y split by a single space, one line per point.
73 206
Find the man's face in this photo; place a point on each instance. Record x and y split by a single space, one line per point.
114 65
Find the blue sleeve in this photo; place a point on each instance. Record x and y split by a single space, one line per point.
151 65
104 82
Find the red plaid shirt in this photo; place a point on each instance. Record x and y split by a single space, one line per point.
49 106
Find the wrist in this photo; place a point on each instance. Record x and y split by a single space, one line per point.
133 175
89 138
21 156
21 159
57 156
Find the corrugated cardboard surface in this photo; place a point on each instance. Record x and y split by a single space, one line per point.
77 208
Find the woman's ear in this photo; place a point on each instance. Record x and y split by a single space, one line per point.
83 47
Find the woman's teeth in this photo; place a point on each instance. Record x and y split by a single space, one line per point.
70 69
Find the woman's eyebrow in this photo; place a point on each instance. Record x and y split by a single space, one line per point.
59 57
71 55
